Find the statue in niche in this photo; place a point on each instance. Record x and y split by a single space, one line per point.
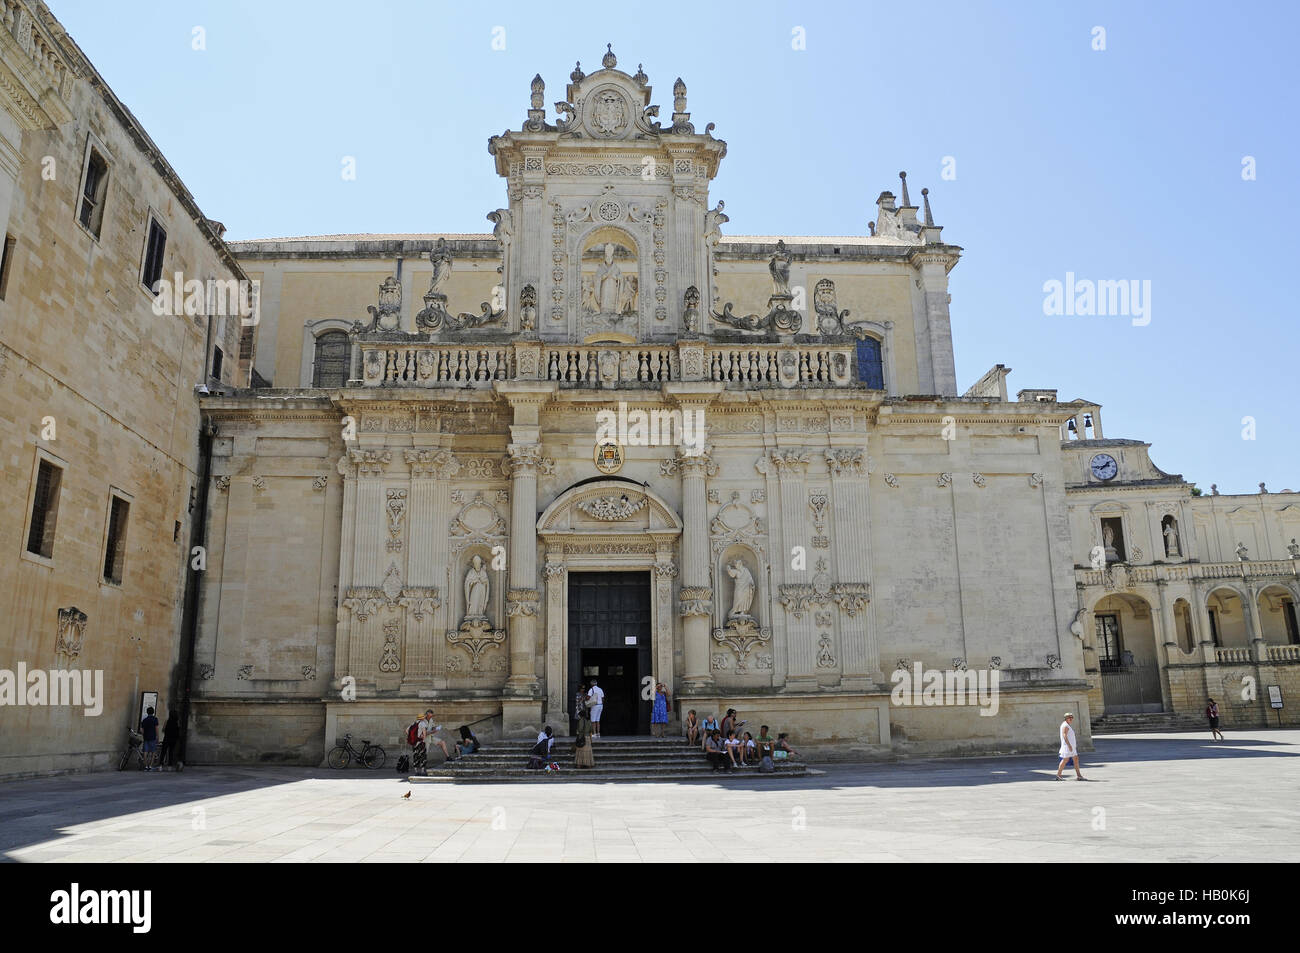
1171 538
476 590
609 291
1108 538
743 594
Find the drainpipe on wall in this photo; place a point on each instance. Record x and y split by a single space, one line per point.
193 578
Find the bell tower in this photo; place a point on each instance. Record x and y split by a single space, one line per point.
608 225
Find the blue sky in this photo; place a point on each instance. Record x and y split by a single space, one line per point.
1122 163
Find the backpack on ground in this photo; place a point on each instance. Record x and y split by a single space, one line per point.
766 765
403 764
413 734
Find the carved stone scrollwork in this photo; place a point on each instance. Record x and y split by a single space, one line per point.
71 632
945 479
743 636
979 479
222 483
420 601
825 656
830 321
441 464
852 597
363 602
395 508
390 661
523 457
370 462
474 637
612 508
784 461
844 461
387 316
685 462
665 568
695 600
522 602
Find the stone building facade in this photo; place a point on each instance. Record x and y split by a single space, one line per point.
99 421
422 511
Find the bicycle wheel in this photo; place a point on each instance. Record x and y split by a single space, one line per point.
126 758
339 757
374 757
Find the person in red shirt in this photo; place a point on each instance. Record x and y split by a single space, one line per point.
1212 715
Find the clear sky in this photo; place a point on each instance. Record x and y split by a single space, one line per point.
1124 163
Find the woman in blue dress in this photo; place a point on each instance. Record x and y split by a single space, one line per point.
659 713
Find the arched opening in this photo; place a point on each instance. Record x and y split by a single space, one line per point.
1125 640
1184 634
1277 616
871 366
1228 624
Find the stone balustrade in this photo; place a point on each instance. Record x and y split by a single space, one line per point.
1224 656
1192 571
386 362
1284 653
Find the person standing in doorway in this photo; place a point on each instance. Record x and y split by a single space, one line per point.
1069 748
171 731
580 704
1212 715
149 728
595 705
659 712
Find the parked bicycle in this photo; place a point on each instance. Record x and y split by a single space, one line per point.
372 756
134 751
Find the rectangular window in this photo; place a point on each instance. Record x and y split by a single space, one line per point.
45 510
6 262
1292 627
1214 627
93 191
1108 641
115 550
871 370
153 256
245 342
216 363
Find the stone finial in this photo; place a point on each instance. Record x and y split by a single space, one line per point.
538 100
1262 488
679 96
907 202
925 198
872 227
640 76
609 60
577 75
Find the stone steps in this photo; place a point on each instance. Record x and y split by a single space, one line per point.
637 760
1148 722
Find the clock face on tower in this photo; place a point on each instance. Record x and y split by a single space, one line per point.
1104 467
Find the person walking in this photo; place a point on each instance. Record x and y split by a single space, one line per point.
1212 714
149 729
582 754
1069 748
659 712
596 705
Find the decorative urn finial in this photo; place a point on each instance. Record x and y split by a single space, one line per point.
640 76
609 60
577 74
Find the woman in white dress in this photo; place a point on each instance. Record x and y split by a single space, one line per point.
1069 748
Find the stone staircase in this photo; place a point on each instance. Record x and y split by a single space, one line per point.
633 759
1148 721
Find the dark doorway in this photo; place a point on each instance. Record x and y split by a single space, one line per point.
609 638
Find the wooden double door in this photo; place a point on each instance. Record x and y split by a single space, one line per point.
610 640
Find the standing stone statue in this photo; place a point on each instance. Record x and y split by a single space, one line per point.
440 258
476 590
779 267
609 284
743 596
714 219
1171 539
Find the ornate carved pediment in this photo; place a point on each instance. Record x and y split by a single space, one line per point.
475 635
603 502
743 636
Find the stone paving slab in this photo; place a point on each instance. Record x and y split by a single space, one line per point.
1150 797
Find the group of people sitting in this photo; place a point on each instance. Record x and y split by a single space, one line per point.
727 747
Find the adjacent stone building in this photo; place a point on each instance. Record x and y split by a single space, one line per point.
99 420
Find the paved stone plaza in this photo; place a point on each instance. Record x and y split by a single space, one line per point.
1173 797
